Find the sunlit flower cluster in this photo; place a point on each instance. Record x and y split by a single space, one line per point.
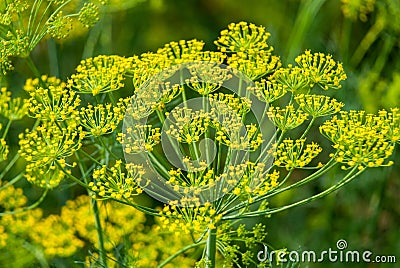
267 91
52 102
295 154
322 69
12 108
189 219
243 37
117 182
318 105
100 74
361 139
45 149
101 119
139 138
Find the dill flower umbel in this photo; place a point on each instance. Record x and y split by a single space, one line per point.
116 183
295 154
318 105
286 118
101 119
359 138
45 150
243 37
100 74
322 69
53 102
267 91
12 108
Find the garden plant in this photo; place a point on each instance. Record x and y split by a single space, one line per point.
213 136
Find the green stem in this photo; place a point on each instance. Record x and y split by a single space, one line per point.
308 128
9 166
211 248
32 66
6 129
99 229
11 182
349 177
176 254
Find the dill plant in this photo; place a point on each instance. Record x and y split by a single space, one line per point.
227 162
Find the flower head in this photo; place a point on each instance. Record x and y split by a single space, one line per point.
322 69
52 101
243 37
360 139
286 118
89 15
100 74
255 65
12 108
295 154
59 26
116 183
101 119
267 91
318 105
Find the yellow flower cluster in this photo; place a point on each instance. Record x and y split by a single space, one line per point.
56 237
243 37
251 54
207 77
11 197
89 14
3 148
52 102
322 69
363 140
182 51
100 74
101 119
12 108
45 149
226 117
286 118
255 181
59 25
318 105
295 154
255 65
186 125
115 183
292 78
154 97
357 9
140 138
267 91
241 105
189 219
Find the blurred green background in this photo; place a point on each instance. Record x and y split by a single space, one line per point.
363 34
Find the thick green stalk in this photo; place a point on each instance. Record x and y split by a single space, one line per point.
99 229
211 248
